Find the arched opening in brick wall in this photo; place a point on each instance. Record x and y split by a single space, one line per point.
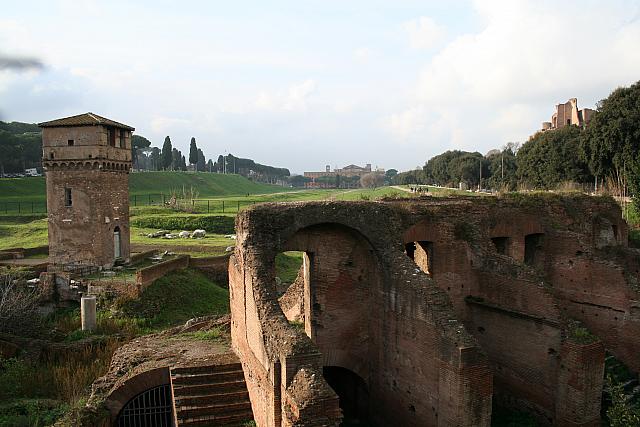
502 245
352 392
533 248
422 254
290 285
153 407
339 276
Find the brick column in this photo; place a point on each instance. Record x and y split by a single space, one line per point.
580 380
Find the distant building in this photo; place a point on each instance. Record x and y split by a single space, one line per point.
87 160
568 114
340 177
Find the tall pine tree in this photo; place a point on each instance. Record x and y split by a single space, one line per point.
167 155
201 163
193 152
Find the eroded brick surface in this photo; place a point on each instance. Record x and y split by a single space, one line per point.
480 312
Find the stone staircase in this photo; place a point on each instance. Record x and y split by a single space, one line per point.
210 395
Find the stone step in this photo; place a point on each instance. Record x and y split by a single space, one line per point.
233 420
211 399
205 369
242 408
207 378
180 391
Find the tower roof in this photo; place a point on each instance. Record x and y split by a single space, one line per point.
86 119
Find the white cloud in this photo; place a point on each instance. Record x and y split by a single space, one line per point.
161 125
424 32
295 98
363 54
407 123
498 84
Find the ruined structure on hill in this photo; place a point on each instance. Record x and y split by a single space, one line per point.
419 313
568 114
87 160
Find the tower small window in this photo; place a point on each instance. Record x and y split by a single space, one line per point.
51 155
122 138
111 136
70 143
67 197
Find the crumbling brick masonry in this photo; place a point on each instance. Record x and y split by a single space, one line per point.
429 309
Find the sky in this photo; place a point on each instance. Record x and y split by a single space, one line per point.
307 83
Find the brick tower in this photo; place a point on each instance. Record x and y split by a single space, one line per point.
87 159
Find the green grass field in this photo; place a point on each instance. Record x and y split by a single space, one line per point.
142 184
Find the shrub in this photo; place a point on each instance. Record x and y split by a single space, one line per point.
31 412
622 412
210 223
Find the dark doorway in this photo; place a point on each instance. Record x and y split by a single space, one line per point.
410 249
353 394
117 248
501 244
152 408
533 248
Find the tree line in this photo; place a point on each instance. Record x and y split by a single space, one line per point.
606 152
20 147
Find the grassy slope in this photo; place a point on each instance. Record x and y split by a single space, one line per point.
140 184
178 297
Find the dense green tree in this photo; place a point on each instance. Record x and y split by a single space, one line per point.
138 143
201 163
167 155
210 167
298 180
452 167
551 158
183 164
250 169
503 168
156 159
20 147
417 176
176 159
193 152
611 141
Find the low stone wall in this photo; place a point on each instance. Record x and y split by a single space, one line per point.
146 276
216 268
141 256
38 250
19 253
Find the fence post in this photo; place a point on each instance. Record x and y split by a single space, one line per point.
238 205
134 200
208 206
223 206
19 207
31 207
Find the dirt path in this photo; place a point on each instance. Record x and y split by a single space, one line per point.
397 187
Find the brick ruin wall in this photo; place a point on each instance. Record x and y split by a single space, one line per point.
484 310
84 232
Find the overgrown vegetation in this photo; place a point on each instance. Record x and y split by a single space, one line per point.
210 223
287 265
622 412
34 394
176 298
213 334
578 333
18 302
